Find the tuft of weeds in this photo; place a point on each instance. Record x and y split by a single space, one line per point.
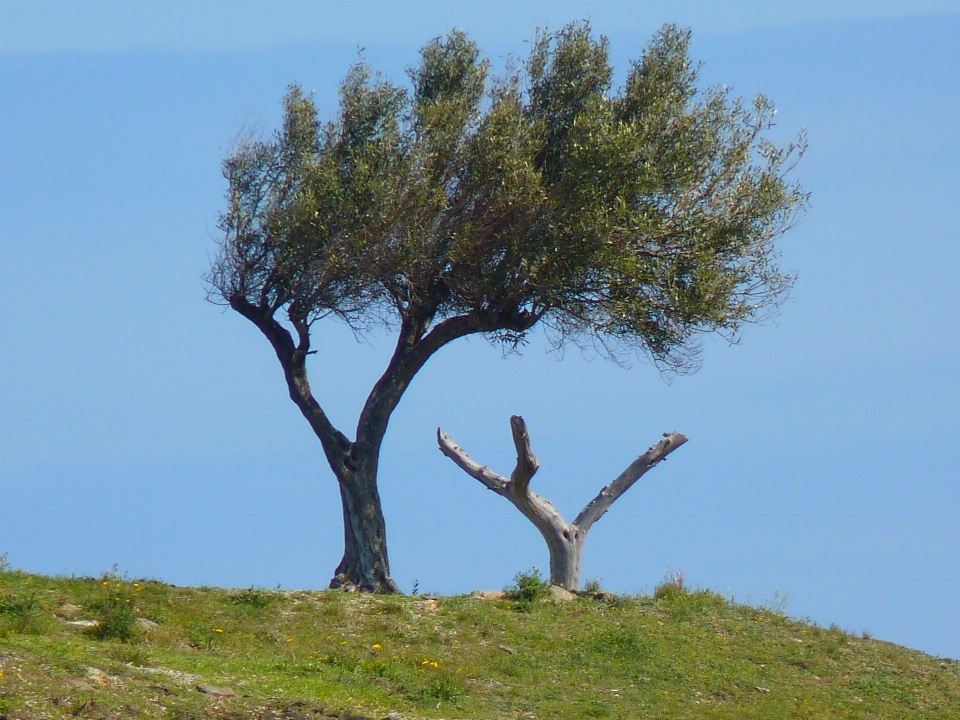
21 612
130 654
527 589
671 588
592 587
115 609
204 636
250 599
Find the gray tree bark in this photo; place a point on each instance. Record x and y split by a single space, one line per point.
564 540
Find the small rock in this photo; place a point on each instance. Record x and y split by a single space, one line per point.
215 691
68 610
84 623
487 594
98 676
762 689
146 624
429 605
507 649
561 595
78 684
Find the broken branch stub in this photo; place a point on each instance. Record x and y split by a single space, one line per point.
564 540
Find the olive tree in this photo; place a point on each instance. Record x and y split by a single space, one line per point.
630 220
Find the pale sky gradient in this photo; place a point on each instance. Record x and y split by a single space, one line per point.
142 426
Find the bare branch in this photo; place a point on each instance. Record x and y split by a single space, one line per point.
488 477
527 464
606 497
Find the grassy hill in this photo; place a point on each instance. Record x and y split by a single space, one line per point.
115 648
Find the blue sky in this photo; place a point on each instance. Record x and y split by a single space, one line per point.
142 426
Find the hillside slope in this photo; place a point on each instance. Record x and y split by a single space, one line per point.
115 648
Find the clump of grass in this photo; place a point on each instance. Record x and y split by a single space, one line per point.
527 588
253 599
671 588
592 587
18 609
20 613
205 636
115 609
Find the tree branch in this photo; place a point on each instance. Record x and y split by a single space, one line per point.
292 359
488 477
527 464
412 352
538 510
606 497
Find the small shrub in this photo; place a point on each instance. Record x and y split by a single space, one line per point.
527 588
115 609
254 599
202 636
20 613
671 588
446 687
592 587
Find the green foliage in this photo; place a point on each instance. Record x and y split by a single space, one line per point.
632 220
527 588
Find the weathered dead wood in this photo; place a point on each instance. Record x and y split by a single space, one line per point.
564 540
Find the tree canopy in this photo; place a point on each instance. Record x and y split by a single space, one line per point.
640 218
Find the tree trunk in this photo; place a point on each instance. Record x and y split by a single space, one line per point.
365 565
564 540
565 550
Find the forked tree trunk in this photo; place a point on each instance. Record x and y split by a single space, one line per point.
564 540
365 565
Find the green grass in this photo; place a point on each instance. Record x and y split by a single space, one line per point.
277 654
